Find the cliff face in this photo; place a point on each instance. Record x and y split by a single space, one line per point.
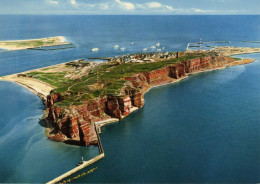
75 124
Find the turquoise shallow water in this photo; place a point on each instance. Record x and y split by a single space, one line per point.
203 129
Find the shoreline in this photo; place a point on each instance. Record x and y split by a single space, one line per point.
35 86
31 85
100 124
235 63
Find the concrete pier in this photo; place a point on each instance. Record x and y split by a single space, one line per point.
98 126
76 169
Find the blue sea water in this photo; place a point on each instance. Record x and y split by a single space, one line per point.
202 129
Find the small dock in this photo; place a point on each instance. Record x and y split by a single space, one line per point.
54 47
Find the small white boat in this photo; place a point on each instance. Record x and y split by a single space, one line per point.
116 46
163 48
145 49
159 50
95 49
132 43
158 44
122 48
153 47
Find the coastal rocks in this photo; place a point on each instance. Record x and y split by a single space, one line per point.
156 76
87 132
177 70
180 70
138 81
75 124
74 128
195 64
125 105
117 107
138 99
53 98
112 107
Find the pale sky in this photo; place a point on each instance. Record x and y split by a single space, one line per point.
131 7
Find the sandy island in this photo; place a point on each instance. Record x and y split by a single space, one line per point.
33 43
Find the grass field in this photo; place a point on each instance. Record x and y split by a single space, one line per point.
105 79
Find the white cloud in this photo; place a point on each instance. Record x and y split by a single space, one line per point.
200 11
169 8
125 5
53 2
73 2
196 10
154 5
119 6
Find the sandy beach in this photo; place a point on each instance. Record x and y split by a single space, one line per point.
38 87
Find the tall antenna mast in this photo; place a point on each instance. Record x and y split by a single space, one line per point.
200 44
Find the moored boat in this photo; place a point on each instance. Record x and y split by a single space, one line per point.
95 49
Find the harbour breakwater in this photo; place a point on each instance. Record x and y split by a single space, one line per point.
76 124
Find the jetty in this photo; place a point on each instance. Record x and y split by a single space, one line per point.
198 44
251 41
58 47
98 126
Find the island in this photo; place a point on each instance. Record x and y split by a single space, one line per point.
33 43
81 96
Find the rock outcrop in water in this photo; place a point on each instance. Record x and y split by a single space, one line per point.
75 124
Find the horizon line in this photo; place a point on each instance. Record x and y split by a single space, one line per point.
139 14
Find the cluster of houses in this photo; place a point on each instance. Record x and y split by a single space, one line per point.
144 57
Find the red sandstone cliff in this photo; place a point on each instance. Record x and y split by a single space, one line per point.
75 124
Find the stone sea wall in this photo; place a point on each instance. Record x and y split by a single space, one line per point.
75 124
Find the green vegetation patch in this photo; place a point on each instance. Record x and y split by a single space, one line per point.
55 79
104 79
